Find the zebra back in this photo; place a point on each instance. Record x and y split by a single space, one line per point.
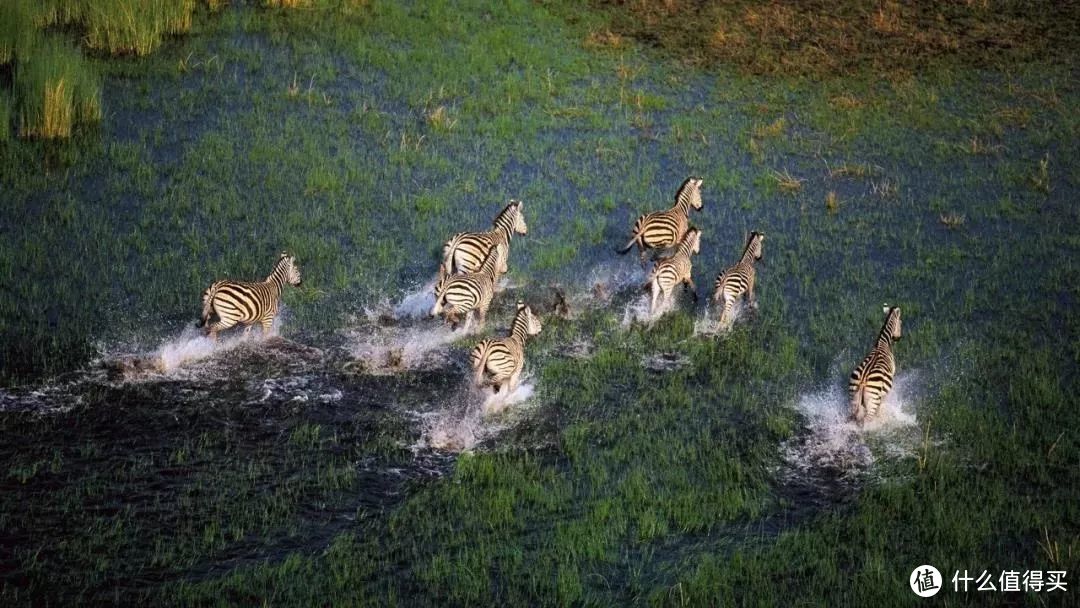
872 379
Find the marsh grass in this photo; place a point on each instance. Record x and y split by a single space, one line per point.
625 482
823 38
55 91
786 182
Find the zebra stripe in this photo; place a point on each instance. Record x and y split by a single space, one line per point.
738 280
466 251
461 294
498 361
670 271
873 378
248 303
663 229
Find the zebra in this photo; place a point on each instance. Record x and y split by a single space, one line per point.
460 294
675 269
738 280
466 251
664 229
497 362
873 378
248 302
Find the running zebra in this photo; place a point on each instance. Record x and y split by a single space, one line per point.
664 229
873 378
675 269
466 251
460 294
738 281
497 362
248 303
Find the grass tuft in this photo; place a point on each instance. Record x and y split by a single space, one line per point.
55 90
787 182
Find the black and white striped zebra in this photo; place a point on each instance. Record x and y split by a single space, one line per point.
673 270
498 362
248 303
461 294
466 251
873 378
664 229
738 280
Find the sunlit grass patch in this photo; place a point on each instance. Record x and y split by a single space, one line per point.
55 89
952 220
786 182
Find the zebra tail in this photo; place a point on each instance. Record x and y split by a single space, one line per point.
207 306
628 247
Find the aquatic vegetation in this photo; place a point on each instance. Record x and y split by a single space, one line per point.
55 91
344 461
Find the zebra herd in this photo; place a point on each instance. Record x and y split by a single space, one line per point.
472 263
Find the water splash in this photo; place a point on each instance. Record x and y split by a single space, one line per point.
496 403
416 303
637 311
471 416
708 322
835 446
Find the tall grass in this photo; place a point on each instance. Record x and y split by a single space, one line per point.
16 29
5 116
55 89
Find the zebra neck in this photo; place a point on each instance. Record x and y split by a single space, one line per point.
747 257
682 205
519 333
504 228
884 339
275 281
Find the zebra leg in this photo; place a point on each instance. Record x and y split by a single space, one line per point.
858 405
512 384
750 293
726 311
655 291
267 325
221 325
689 284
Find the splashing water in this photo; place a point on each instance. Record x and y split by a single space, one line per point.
708 322
472 416
416 304
496 403
192 345
836 446
637 310
394 349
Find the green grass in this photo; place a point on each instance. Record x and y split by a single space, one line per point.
615 484
56 90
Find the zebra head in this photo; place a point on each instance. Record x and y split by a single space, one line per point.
690 193
286 269
892 321
519 217
754 244
532 322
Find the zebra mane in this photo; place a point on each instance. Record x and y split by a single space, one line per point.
505 219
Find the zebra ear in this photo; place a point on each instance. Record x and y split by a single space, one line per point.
520 305
885 308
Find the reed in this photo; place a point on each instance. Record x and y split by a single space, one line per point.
55 90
